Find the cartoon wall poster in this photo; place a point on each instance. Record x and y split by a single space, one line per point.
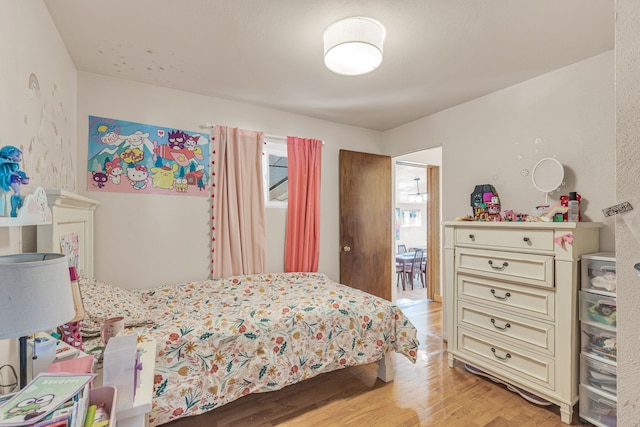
128 157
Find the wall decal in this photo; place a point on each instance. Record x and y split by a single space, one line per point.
128 157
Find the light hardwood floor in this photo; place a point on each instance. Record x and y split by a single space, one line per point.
428 393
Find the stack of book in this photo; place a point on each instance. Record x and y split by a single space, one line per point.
54 400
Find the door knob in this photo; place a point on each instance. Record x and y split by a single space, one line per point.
346 248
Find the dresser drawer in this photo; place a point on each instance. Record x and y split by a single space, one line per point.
507 359
527 300
507 239
525 268
534 335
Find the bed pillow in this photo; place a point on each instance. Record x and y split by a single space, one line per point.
103 301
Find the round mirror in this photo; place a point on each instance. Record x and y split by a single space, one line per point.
547 175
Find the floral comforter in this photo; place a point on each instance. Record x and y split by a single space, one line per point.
221 339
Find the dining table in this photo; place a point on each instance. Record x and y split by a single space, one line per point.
406 258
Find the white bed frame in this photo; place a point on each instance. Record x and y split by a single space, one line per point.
70 213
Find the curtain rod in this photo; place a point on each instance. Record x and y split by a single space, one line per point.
211 126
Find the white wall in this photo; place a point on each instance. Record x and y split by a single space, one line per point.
568 114
628 224
147 240
37 113
38 101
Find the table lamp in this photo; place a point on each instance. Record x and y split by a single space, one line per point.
35 296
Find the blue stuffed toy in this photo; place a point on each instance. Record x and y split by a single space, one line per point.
11 177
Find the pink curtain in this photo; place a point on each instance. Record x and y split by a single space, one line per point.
238 219
302 246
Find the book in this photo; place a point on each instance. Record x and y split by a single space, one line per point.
101 417
91 414
43 395
62 413
61 423
83 406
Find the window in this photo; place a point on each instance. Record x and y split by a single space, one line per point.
411 218
275 172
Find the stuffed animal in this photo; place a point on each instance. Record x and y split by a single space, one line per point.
11 177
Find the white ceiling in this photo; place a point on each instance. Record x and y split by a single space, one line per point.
406 175
437 53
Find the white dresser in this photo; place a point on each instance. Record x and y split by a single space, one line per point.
511 295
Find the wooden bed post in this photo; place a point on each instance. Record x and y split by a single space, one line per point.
385 368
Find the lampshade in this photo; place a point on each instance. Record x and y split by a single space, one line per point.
35 293
353 46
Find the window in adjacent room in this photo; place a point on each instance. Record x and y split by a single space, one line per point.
275 172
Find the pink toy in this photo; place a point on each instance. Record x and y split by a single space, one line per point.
508 215
71 330
71 334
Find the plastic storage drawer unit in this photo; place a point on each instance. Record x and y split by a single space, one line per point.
599 342
597 408
598 374
597 309
599 273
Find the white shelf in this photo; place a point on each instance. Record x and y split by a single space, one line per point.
34 211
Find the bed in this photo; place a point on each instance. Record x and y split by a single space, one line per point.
218 340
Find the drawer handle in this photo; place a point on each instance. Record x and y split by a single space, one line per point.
502 328
526 239
472 236
506 295
505 358
504 264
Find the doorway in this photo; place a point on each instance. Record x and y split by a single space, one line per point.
417 223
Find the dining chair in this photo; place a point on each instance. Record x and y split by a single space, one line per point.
423 271
400 274
402 249
412 269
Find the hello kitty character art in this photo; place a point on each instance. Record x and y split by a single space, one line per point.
138 176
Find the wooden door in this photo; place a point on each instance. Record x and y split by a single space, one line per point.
365 222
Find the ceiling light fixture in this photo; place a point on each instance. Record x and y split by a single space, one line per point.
418 196
353 46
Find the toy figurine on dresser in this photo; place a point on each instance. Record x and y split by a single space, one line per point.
485 203
11 178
